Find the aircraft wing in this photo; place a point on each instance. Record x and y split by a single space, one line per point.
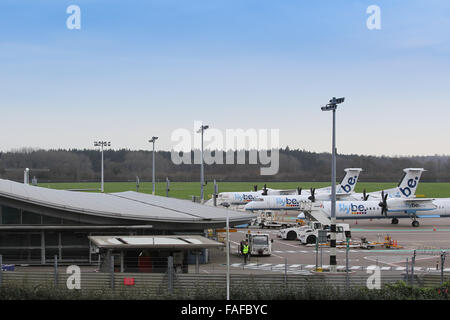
393 193
341 195
324 190
412 205
286 192
327 189
418 200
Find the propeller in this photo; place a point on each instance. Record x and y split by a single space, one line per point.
255 187
299 190
264 190
383 204
365 195
312 197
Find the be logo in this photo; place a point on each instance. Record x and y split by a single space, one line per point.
358 208
412 183
350 182
291 202
248 197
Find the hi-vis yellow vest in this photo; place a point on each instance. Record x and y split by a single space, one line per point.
245 249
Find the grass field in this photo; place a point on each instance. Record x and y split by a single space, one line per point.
185 190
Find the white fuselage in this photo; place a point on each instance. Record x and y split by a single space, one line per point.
235 198
346 186
283 202
397 208
294 202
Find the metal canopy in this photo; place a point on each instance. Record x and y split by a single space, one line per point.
154 242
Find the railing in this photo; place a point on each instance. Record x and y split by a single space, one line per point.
164 276
184 284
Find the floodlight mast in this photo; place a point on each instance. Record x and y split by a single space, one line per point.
201 130
332 106
152 140
26 176
102 144
226 205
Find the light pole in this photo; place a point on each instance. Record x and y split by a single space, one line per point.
202 129
226 205
332 106
153 139
26 176
102 144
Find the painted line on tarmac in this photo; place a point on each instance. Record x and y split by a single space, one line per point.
397 263
299 268
278 256
418 251
286 244
399 230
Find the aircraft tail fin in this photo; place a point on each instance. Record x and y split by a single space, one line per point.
349 181
409 182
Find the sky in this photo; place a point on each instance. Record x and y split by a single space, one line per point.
137 69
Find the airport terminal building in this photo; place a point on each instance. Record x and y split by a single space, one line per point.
38 223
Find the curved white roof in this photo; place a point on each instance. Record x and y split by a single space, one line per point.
123 205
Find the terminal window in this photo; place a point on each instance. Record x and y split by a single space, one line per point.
10 215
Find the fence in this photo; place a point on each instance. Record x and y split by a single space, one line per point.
172 281
185 284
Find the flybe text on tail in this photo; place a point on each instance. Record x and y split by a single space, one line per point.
410 180
349 181
411 185
347 188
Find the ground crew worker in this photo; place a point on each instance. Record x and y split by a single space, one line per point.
241 246
245 251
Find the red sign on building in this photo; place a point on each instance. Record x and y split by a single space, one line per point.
128 281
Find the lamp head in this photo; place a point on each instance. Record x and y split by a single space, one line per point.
333 104
203 128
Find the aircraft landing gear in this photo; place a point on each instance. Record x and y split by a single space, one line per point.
394 221
414 223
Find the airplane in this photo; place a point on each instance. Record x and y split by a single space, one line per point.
393 208
405 189
292 202
242 198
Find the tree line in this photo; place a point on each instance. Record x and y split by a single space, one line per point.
76 165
